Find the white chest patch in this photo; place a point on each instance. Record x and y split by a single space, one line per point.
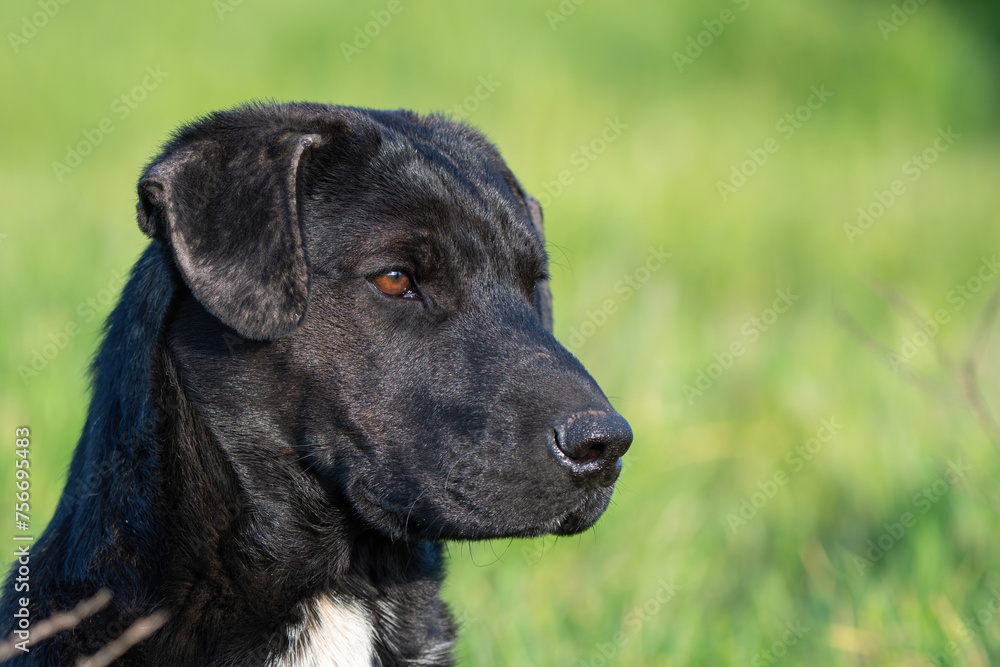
337 634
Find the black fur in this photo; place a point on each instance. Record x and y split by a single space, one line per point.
266 426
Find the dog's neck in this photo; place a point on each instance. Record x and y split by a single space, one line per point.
256 541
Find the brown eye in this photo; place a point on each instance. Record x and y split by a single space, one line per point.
395 283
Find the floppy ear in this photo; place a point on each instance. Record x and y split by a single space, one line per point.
225 202
543 296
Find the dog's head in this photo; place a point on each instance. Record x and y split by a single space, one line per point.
370 291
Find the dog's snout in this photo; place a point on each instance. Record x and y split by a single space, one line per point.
590 444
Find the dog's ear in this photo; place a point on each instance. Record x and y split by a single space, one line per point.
225 202
543 296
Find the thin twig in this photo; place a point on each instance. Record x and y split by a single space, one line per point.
919 380
970 381
59 622
970 371
901 303
967 375
985 327
137 632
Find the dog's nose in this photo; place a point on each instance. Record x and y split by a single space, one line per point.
590 443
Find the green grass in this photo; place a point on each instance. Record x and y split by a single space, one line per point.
561 602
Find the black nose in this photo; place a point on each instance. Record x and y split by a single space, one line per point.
590 444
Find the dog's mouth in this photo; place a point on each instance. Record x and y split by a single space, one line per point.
586 513
426 518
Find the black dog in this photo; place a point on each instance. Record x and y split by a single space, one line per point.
334 355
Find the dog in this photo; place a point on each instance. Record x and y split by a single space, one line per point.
334 355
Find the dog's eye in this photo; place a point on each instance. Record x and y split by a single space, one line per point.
395 283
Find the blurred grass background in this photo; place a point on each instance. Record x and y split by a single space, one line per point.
598 599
